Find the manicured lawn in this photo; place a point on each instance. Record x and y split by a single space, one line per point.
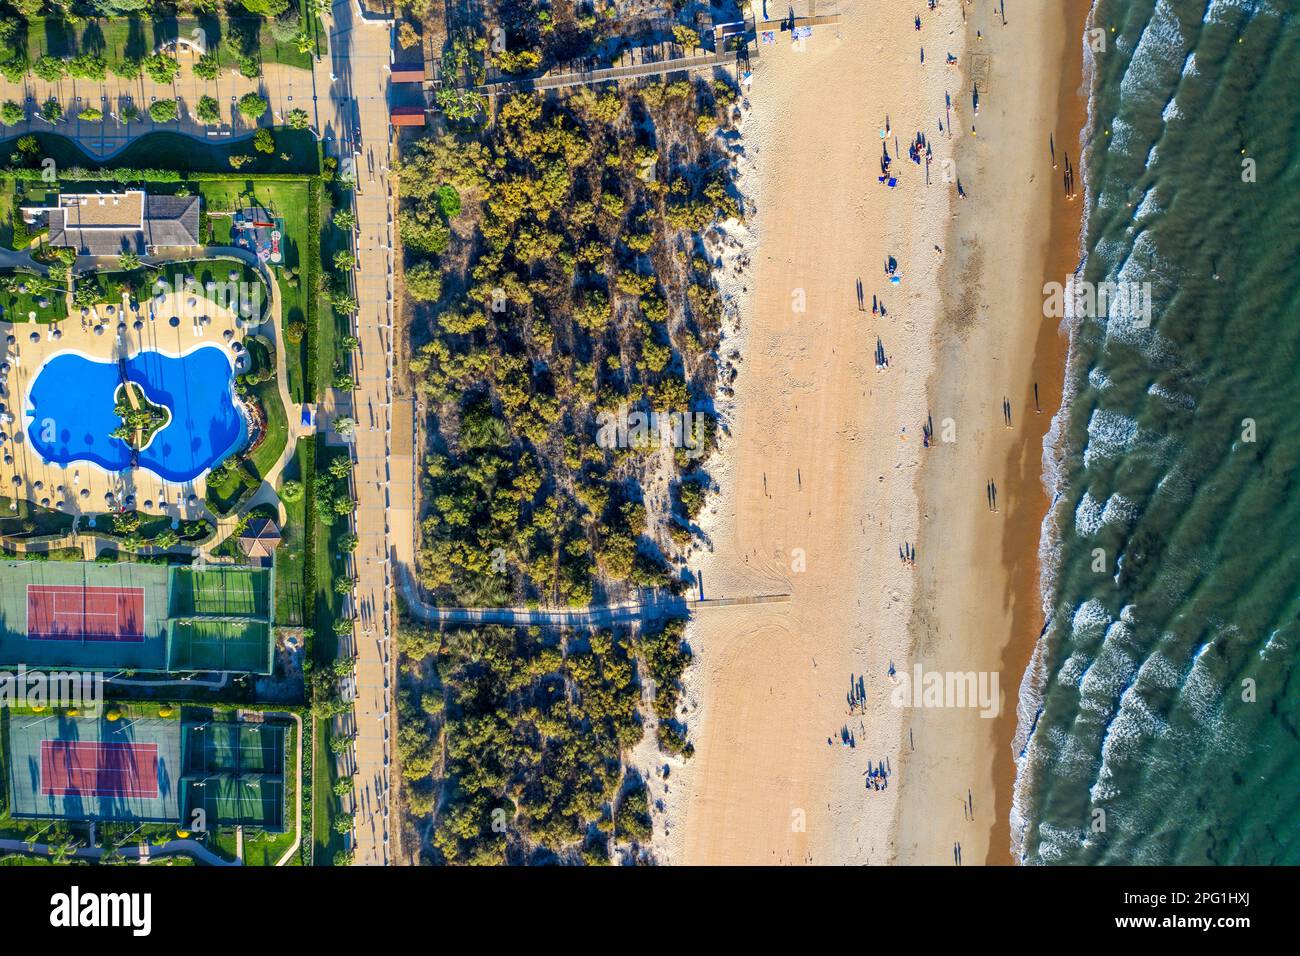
21 294
325 806
164 149
291 555
29 519
286 199
332 325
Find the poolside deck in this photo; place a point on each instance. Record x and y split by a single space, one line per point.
82 488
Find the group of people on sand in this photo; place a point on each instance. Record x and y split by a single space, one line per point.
877 775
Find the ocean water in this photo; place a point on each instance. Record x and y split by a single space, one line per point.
1160 719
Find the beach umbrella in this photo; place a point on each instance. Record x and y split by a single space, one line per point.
99 330
85 492
174 321
58 333
137 325
36 336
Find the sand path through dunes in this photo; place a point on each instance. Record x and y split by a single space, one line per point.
816 477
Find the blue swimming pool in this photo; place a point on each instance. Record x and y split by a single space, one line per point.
71 418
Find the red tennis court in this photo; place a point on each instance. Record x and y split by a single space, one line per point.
69 612
80 768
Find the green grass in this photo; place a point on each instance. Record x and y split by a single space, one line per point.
118 38
291 555
30 520
286 199
332 325
164 149
326 807
16 306
267 453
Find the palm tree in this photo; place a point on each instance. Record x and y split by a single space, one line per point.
129 261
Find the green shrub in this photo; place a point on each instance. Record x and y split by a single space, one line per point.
208 110
163 111
252 106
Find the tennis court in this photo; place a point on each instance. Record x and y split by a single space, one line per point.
83 615
234 748
234 773
222 591
65 612
92 768
98 770
220 619
234 800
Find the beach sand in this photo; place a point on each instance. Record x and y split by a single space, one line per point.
822 476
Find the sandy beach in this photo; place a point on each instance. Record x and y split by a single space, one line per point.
823 475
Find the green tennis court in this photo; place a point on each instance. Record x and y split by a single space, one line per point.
235 800
221 591
220 619
234 748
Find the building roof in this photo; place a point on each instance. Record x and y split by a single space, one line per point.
260 538
407 73
112 223
407 116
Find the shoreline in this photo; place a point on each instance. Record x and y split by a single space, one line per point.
1051 353
980 606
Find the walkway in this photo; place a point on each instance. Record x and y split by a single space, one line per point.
612 73
284 88
653 607
358 118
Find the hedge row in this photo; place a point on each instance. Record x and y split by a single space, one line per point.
127 175
309 283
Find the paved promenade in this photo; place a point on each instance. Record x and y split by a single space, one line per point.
358 122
